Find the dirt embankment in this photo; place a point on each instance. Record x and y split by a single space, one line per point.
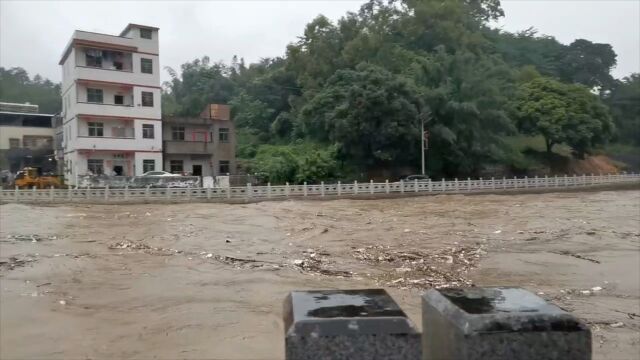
208 280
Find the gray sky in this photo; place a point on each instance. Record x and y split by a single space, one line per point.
34 33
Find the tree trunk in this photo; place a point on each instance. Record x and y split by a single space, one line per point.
549 144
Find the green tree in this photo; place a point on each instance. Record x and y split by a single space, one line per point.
624 102
369 113
589 64
562 113
16 86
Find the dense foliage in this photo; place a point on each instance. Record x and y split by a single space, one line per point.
562 113
17 87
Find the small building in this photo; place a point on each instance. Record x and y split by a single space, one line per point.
111 117
26 138
200 146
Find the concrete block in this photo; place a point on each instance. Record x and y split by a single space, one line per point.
348 324
499 323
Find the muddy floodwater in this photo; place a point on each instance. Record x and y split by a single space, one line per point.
207 281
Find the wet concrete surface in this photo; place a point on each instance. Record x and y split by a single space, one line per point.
208 280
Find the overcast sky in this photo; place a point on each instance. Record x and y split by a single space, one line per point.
33 33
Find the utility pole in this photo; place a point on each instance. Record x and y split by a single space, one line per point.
422 143
424 138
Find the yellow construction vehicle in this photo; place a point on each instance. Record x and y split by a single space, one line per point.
31 176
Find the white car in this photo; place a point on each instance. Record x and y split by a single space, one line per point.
158 173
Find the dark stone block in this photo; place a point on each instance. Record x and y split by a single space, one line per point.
348 324
499 323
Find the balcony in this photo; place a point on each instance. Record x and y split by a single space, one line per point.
188 147
187 121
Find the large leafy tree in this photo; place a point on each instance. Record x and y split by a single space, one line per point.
562 113
369 113
16 86
588 63
624 102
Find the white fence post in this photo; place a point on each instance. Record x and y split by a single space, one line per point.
321 188
146 192
50 192
269 189
455 184
591 179
339 188
526 181
468 184
209 193
493 183
415 185
555 179
168 192
584 179
386 186
126 192
370 186
566 183
504 182
535 181
286 189
189 192
304 188
106 192
355 187
515 182
430 185
575 181
16 194
444 185
248 193
402 186
546 180
229 191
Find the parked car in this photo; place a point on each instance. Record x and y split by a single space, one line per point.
158 173
415 177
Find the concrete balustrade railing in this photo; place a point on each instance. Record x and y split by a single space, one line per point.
339 189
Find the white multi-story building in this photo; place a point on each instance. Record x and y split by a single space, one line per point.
111 115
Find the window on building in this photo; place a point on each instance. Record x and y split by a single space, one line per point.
93 57
148 165
117 65
96 129
14 143
223 135
118 99
94 95
145 33
147 98
146 66
95 166
177 133
223 166
176 166
147 131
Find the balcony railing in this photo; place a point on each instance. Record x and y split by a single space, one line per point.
103 68
97 103
188 147
111 133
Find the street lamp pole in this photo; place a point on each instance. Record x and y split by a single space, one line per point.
424 138
422 144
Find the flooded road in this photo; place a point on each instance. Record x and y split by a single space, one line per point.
208 280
